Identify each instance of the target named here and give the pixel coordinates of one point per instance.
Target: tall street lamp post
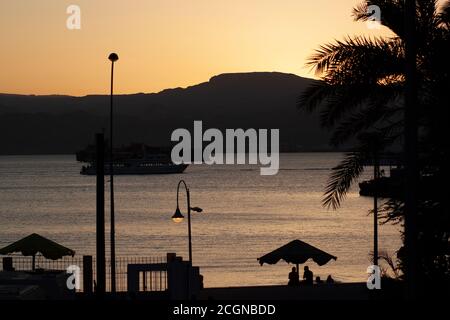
(113, 57)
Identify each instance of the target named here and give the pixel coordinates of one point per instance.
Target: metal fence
(149, 281)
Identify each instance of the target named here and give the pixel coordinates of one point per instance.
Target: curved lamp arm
(178, 192)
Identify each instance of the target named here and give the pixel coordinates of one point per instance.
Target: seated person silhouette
(307, 276)
(318, 280)
(294, 278)
(330, 279)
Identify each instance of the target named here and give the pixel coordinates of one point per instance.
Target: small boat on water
(385, 186)
(136, 159)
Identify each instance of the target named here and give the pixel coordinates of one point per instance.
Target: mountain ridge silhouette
(42, 124)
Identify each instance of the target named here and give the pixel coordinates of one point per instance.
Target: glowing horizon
(162, 43)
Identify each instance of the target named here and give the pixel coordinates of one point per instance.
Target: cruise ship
(134, 159)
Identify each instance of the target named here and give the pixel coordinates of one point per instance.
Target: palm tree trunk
(411, 152)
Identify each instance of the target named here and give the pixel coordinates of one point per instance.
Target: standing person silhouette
(330, 279)
(307, 276)
(294, 278)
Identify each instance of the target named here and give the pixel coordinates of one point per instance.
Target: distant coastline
(73, 154)
(60, 124)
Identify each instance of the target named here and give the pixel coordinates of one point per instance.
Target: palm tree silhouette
(362, 86)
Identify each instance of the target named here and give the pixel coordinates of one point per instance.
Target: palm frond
(358, 122)
(350, 168)
(357, 98)
(444, 16)
(379, 107)
(392, 211)
(352, 70)
(314, 95)
(358, 60)
(390, 11)
(342, 103)
(341, 179)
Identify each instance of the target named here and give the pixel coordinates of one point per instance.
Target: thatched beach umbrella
(33, 244)
(297, 252)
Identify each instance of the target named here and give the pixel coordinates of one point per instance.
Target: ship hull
(141, 170)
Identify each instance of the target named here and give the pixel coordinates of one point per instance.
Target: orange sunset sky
(161, 43)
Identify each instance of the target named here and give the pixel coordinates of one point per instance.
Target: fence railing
(149, 281)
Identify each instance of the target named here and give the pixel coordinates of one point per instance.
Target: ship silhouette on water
(133, 159)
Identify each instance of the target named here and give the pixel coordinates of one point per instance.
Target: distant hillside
(64, 124)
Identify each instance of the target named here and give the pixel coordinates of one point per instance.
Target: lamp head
(177, 216)
(113, 57)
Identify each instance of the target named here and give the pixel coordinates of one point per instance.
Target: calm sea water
(245, 215)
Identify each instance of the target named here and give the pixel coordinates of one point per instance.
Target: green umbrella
(34, 243)
(297, 252)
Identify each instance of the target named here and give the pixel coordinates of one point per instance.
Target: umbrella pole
(298, 269)
(33, 264)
